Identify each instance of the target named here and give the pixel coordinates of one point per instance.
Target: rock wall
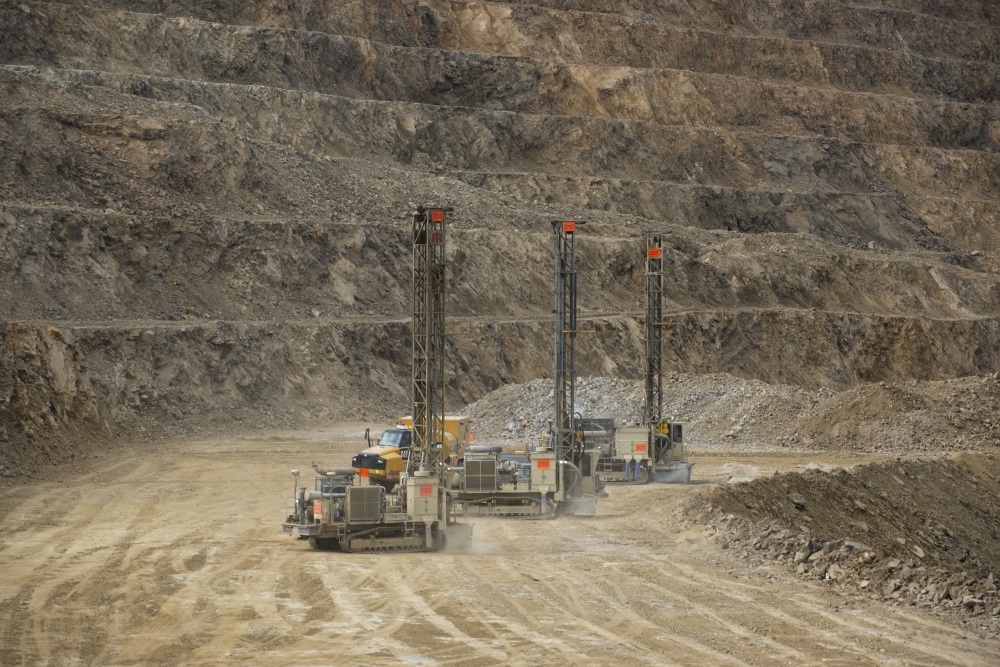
(174, 173)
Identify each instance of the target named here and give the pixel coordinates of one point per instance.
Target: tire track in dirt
(65, 605)
(919, 645)
(712, 599)
(188, 570)
(509, 611)
(361, 601)
(697, 595)
(139, 587)
(686, 604)
(638, 615)
(204, 595)
(369, 618)
(852, 629)
(15, 614)
(580, 620)
(564, 593)
(55, 558)
(419, 602)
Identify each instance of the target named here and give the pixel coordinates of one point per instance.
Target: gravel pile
(917, 532)
(724, 412)
(517, 414)
(908, 581)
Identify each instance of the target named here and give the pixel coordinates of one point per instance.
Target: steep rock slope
(205, 205)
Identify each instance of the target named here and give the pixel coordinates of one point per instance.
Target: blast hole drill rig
(417, 515)
(654, 450)
(560, 476)
(667, 454)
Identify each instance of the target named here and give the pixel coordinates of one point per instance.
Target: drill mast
(652, 412)
(564, 428)
(427, 450)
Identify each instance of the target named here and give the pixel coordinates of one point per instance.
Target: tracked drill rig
(655, 449)
(560, 476)
(567, 444)
(417, 515)
(667, 453)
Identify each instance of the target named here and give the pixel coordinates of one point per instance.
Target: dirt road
(175, 555)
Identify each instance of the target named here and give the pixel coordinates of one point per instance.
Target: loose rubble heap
(519, 413)
(918, 533)
(854, 564)
(734, 414)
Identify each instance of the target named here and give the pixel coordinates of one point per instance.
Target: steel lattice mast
(652, 410)
(564, 428)
(427, 449)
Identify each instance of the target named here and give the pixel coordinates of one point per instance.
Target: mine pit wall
(62, 382)
(874, 152)
(131, 322)
(915, 20)
(171, 252)
(83, 265)
(216, 166)
(597, 32)
(854, 204)
(470, 139)
(945, 112)
(848, 193)
(65, 383)
(898, 170)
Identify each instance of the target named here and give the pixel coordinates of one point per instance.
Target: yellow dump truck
(383, 463)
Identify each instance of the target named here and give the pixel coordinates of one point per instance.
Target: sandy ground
(174, 555)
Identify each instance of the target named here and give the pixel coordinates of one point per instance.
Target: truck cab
(385, 462)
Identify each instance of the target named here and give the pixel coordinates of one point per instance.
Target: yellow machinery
(385, 462)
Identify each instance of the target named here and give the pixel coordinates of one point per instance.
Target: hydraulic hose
(578, 476)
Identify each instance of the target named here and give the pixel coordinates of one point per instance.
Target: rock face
(205, 205)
